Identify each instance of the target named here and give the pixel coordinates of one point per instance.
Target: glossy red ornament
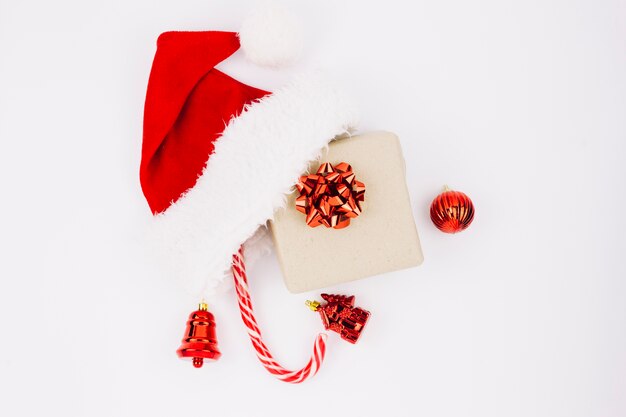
(200, 342)
(452, 211)
(340, 315)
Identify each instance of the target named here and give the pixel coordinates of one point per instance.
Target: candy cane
(262, 351)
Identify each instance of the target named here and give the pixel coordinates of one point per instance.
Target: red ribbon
(331, 197)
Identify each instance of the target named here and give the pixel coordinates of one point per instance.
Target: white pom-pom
(271, 37)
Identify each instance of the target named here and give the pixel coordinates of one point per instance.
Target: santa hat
(218, 155)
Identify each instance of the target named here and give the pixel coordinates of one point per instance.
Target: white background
(521, 105)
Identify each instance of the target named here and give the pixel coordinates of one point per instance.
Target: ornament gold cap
(312, 305)
(202, 306)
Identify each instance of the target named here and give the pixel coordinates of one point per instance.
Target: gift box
(361, 238)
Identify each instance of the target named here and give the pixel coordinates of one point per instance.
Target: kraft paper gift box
(382, 238)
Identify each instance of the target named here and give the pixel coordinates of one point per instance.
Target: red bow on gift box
(331, 197)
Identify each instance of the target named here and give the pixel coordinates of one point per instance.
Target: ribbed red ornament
(452, 211)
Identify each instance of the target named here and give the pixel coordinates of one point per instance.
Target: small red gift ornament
(332, 196)
(340, 315)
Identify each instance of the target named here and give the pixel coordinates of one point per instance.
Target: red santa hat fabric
(187, 104)
(219, 156)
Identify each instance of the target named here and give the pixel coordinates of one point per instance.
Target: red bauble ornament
(199, 342)
(340, 315)
(452, 211)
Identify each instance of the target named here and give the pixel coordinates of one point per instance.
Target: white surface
(519, 104)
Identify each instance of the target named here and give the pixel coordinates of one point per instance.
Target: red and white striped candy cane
(262, 351)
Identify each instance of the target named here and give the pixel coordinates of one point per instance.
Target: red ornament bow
(331, 197)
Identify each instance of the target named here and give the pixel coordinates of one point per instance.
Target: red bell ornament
(340, 315)
(452, 211)
(200, 342)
